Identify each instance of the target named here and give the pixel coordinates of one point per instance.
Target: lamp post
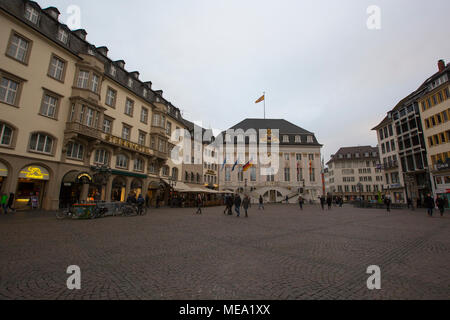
(172, 185)
(360, 187)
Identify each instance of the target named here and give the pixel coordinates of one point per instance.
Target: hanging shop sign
(34, 173)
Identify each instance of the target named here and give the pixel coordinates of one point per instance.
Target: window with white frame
(101, 157)
(75, 151)
(126, 133)
(9, 91)
(83, 79)
(286, 156)
(141, 139)
(41, 142)
(138, 164)
(286, 139)
(129, 104)
(144, 92)
(144, 115)
(122, 161)
(165, 171)
(310, 139)
(298, 139)
(18, 48)
(56, 69)
(287, 174)
(113, 71)
(49, 106)
(107, 124)
(90, 113)
(111, 95)
(63, 35)
(169, 128)
(253, 174)
(95, 82)
(298, 157)
(31, 14)
(156, 120)
(130, 82)
(6, 135)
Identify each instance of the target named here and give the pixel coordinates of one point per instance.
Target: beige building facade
(75, 125)
(355, 172)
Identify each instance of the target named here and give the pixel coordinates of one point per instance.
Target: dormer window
(310, 139)
(63, 35)
(357, 155)
(341, 156)
(31, 14)
(145, 92)
(366, 154)
(298, 139)
(113, 71)
(91, 51)
(349, 155)
(130, 82)
(286, 139)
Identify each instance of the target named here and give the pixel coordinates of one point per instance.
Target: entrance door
(273, 196)
(27, 188)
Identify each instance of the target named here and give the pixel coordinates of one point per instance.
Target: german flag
(247, 166)
(261, 99)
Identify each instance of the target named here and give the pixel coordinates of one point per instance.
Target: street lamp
(360, 187)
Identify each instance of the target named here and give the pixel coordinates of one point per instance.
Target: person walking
(387, 202)
(329, 202)
(4, 203)
(300, 202)
(287, 200)
(246, 204)
(261, 203)
(341, 202)
(199, 204)
(11, 202)
(140, 203)
(225, 201)
(429, 204)
(440, 203)
(237, 205)
(322, 202)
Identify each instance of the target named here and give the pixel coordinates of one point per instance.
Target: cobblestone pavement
(279, 253)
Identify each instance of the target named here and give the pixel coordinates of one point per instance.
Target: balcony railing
(78, 128)
(390, 165)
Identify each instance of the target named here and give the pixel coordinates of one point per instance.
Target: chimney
(103, 50)
(81, 33)
(441, 65)
(149, 84)
(53, 12)
(135, 75)
(120, 63)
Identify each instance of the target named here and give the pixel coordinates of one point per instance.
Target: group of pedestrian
(430, 204)
(7, 202)
(238, 203)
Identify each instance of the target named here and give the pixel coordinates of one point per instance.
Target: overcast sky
(321, 67)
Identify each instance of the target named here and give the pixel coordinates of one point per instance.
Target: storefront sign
(127, 144)
(84, 178)
(211, 172)
(35, 173)
(3, 170)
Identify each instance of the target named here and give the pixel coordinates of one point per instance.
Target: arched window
(138, 164)
(198, 178)
(40, 142)
(101, 157)
(6, 135)
(75, 151)
(122, 161)
(186, 176)
(192, 177)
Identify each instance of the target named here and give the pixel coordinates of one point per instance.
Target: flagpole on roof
(264, 105)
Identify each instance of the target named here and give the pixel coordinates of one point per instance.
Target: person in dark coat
(322, 202)
(440, 203)
(246, 204)
(199, 204)
(387, 202)
(237, 205)
(429, 204)
(329, 202)
(300, 202)
(261, 203)
(11, 202)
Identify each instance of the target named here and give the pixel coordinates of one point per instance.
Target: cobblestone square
(279, 253)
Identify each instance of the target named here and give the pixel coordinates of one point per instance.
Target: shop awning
(179, 186)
